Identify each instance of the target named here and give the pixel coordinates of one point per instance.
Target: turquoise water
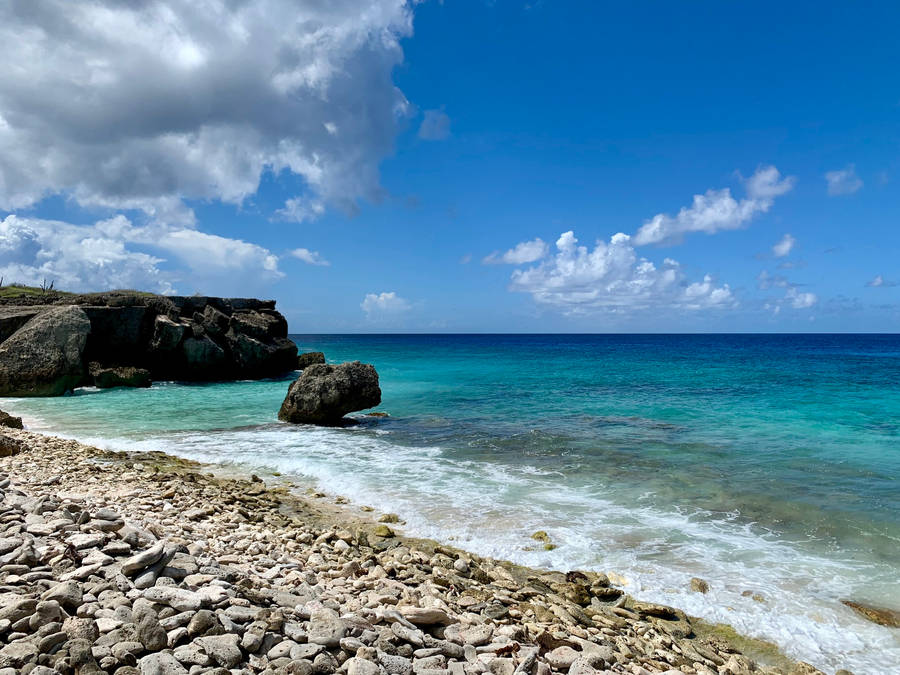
(768, 464)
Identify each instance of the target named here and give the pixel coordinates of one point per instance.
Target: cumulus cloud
(783, 247)
(435, 126)
(843, 181)
(880, 282)
(310, 257)
(611, 277)
(115, 253)
(717, 210)
(800, 300)
(147, 105)
(525, 252)
(380, 305)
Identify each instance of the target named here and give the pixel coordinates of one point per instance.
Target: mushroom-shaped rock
(324, 393)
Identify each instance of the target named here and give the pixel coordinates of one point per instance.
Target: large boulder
(13, 318)
(324, 393)
(44, 357)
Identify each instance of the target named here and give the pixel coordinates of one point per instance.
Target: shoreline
(575, 615)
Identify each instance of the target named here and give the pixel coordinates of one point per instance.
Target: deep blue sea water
(767, 464)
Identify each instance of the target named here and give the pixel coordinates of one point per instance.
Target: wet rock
(880, 615)
(699, 585)
(122, 376)
(323, 393)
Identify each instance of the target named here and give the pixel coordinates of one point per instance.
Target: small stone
(223, 649)
(426, 616)
(82, 541)
(698, 585)
(326, 627)
(67, 593)
(562, 658)
(177, 598)
(161, 663)
(383, 531)
(357, 666)
(143, 559)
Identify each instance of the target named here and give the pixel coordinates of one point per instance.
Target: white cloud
(310, 257)
(843, 181)
(144, 105)
(612, 278)
(114, 253)
(525, 252)
(717, 210)
(384, 304)
(435, 126)
(800, 300)
(783, 247)
(880, 282)
(765, 281)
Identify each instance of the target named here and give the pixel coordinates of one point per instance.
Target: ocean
(767, 465)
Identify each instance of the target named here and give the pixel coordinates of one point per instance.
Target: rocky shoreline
(143, 563)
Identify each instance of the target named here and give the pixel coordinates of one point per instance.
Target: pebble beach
(133, 563)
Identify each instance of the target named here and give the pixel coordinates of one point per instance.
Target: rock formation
(323, 394)
(308, 359)
(43, 357)
(127, 339)
(7, 420)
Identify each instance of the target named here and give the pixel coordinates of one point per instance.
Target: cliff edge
(50, 345)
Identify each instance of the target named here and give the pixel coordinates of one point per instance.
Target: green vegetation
(47, 290)
(20, 290)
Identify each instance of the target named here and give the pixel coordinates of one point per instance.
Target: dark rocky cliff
(48, 344)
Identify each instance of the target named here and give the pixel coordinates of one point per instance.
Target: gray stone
(178, 599)
(44, 357)
(143, 559)
(223, 649)
(326, 627)
(161, 663)
(323, 393)
(67, 593)
(357, 666)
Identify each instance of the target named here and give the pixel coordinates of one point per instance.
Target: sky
(462, 166)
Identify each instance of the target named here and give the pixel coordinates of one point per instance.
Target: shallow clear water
(768, 464)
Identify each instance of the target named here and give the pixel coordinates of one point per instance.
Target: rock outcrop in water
(323, 394)
(126, 339)
(308, 359)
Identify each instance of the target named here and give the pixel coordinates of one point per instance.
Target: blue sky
(435, 155)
